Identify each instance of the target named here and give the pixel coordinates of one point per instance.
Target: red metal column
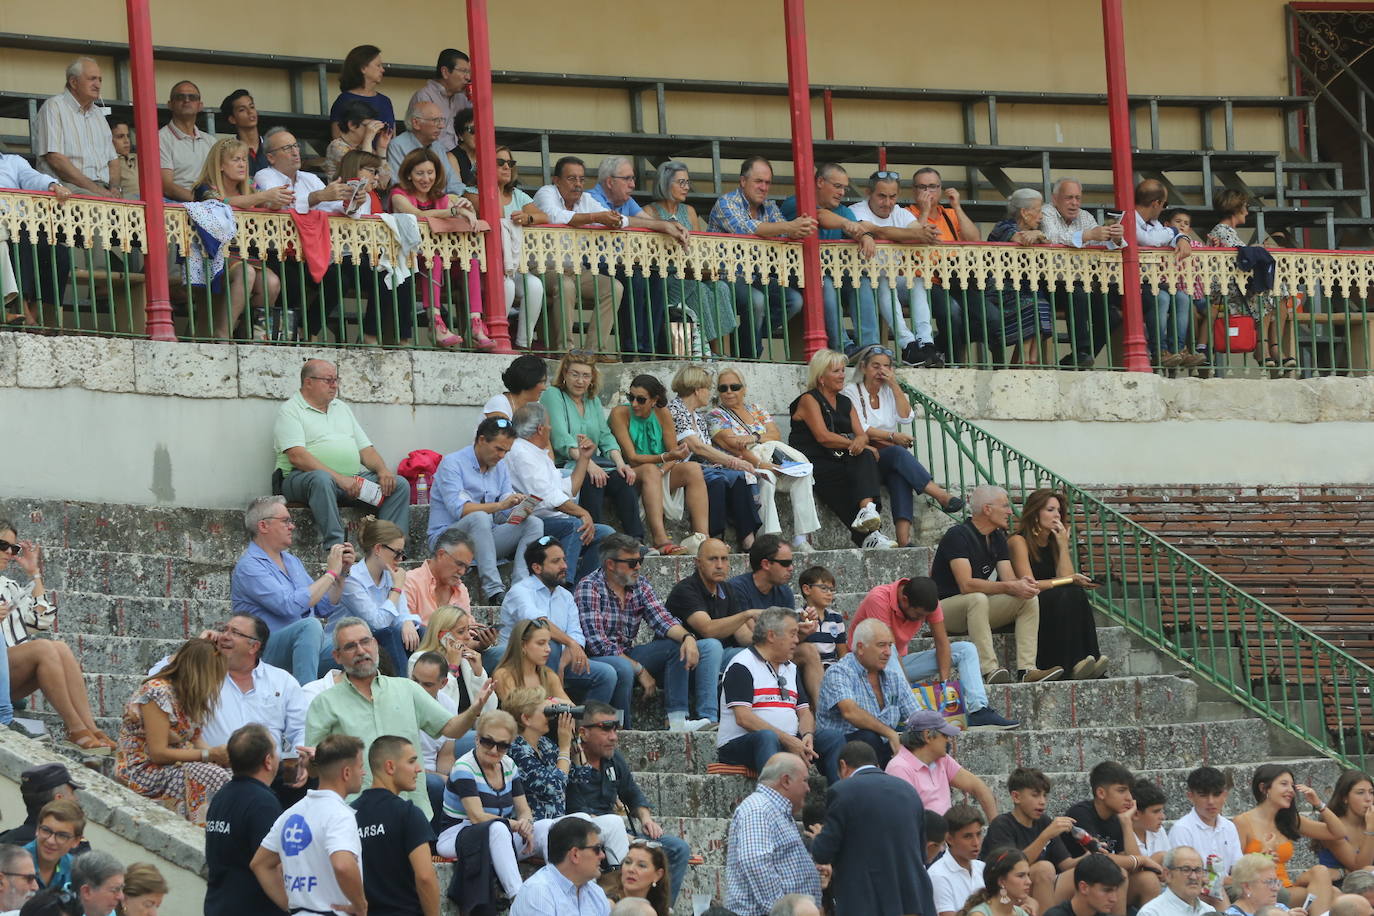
(1137, 359)
(159, 306)
(488, 197)
(804, 168)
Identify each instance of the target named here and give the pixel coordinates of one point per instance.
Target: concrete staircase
(131, 582)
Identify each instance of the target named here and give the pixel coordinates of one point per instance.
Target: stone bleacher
(130, 582)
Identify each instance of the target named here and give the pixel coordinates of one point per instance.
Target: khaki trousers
(566, 294)
(977, 614)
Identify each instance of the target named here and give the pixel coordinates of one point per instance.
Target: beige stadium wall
(1217, 47)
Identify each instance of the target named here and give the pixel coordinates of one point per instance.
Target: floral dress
(1238, 302)
(184, 787)
(546, 786)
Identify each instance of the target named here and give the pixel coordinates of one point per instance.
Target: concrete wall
(190, 424)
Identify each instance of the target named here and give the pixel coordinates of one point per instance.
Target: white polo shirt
(305, 836)
(899, 218)
(1219, 846)
(951, 884)
(1170, 904)
(183, 154)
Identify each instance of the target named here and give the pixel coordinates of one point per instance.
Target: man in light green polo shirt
(368, 705)
(325, 456)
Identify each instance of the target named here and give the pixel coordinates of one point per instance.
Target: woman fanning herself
(1041, 549)
(525, 663)
(648, 442)
(1274, 824)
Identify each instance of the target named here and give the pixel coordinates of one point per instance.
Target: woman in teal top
(709, 303)
(574, 409)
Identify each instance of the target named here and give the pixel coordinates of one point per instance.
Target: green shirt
(567, 422)
(399, 706)
(333, 437)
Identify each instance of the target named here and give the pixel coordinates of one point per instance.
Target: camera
(553, 712)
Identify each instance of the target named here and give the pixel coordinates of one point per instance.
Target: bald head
(782, 764)
(426, 122)
(319, 382)
(1351, 905)
(713, 561)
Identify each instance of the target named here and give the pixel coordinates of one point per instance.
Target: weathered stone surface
(458, 379)
(1111, 396)
(957, 389)
(9, 359)
(185, 369)
(1338, 398)
(156, 618)
(376, 376)
(274, 373)
(94, 363)
(1019, 394)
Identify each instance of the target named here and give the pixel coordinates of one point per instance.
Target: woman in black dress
(1040, 549)
(825, 428)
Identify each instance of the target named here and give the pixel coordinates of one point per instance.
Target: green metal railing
(1278, 669)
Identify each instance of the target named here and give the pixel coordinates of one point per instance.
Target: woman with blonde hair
(161, 753)
(826, 429)
(375, 591)
(224, 177)
(449, 633)
(144, 890)
(525, 662)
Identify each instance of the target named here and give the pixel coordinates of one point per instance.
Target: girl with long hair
(1353, 802)
(524, 664)
(1006, 883)
(1274, 824)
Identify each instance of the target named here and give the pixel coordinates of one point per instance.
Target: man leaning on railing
(1065, 222)
(34, 271)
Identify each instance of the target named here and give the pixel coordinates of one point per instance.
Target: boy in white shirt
(1147, 820)
(1211, 834)
(315, 841)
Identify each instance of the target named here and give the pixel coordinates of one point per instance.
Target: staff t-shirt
(748, 596)
(390, 828)
(966, 542)
(1107, 831)
(1006, 830)
(305, 836)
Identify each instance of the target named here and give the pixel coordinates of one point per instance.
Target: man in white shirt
(452, 73)
(431, 672)
(1165, 337)
(533, 472)
(1184, 884)
(311, 859)
(424, 123)
(566, 205)
(959, 872)
(18, 879)
(892, 223)
(284, 170)
(182, 145)
(1065, 222)
(1208, 831)
(71, 138)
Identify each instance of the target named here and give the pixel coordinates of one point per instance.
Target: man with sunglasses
(473, 494)
(604, 784)
(567, 885)
(182, 145)
(18, 879)
(771, 563)
(612, 603)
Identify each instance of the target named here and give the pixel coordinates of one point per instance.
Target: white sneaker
(680, 723)
(867, 520)
(878, 541)
(802, 545)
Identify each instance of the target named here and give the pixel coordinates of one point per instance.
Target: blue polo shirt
(629, 208)
(789, 211)
(60, 875)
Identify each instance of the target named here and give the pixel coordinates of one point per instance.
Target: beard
(366, 666)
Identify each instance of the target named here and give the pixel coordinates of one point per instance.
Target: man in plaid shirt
(765, 858)
(611, 603)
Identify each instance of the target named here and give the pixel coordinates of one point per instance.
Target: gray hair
(983, 496)
(663, 184)
(1021, 199)
(343, 622)
(413, 109)
(258, 511)
(10, 854)
(927, 170)
(94, 868)
(613, 545)
(274, 131)
(1059, 185)
(787, 906)
(869, 630)
(529, 417)
(608, 166)
(75, 67)
(633, 906)
(454, 538)
(1357, 882)
(780, 765)
(771, 621)
(1171, 856)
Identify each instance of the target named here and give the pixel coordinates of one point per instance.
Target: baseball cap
(927, 720)
(45, 777)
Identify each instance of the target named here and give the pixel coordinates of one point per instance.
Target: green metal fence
(1278, 669)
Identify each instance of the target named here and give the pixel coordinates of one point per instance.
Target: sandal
(1290, 367)
(480, 338)
(443, 337)
(670, 549)
(88, 742)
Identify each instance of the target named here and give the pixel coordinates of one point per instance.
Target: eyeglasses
(500, 422)
(492, 744)
(1274, 883)
(364, 643)
(632, 562)
(1191, 869)
(683, 182)
(284, 519)
(14, 549)
(61, 836)
(734, 387)
(623, 177)
(500, 162)
(441, 121)
(573, 179)
(287, 148)
(21, 875)
(327, 379)
(228, 630)
(598, 848)
(462, 567)
(546, 540)
(824, 587)
(400, 555)
(610, 725)
(880, 351)
(928, 187)
(185, 97)
(788, 562)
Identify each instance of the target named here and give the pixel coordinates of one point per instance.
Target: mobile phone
(356, 186)
(1113, 218)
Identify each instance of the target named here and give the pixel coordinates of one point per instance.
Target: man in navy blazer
(874, 839)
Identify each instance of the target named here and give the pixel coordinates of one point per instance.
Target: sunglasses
(610, 725)
(734, 387)
(641, 843)
(14, 549)
(639, 399)
(500, 162)
(632, 562)
(885, 176)
(492, 744)
(788, 562)
(782, 689)
(598, 848)
(547, 540)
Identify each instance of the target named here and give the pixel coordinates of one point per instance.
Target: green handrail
(1278, 669)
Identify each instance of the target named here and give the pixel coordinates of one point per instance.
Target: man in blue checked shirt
(765, 858)
(763, 304)
(862, 698)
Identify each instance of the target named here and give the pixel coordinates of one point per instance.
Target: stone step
(1136, 746)
(95, 615)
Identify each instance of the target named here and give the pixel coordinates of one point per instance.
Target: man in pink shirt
(439, 580)
(924, 762)
(906, 606)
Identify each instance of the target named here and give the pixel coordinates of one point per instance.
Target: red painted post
(829, 102)
(159, 305)
(804, 168)
(488, 197)
(1137, 358)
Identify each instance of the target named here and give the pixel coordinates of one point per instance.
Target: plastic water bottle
(422, 490)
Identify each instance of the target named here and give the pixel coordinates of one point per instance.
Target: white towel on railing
(212, 228)
(405, 229)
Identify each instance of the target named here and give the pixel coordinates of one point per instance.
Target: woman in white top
(881, 406)
(375, 591)
(525, 380)
(521, 210)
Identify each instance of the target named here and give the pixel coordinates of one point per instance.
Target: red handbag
(1234, 334)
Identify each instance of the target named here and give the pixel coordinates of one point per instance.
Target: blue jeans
(915, 300)
(661, 658)
(495, 542)
(860, 305)
(753, 750)
(319, 490)
(905, 477)
(921, 666)
(296, 647)
(582, 559)
(730, 501)
(1165, 333)
(598, 683)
